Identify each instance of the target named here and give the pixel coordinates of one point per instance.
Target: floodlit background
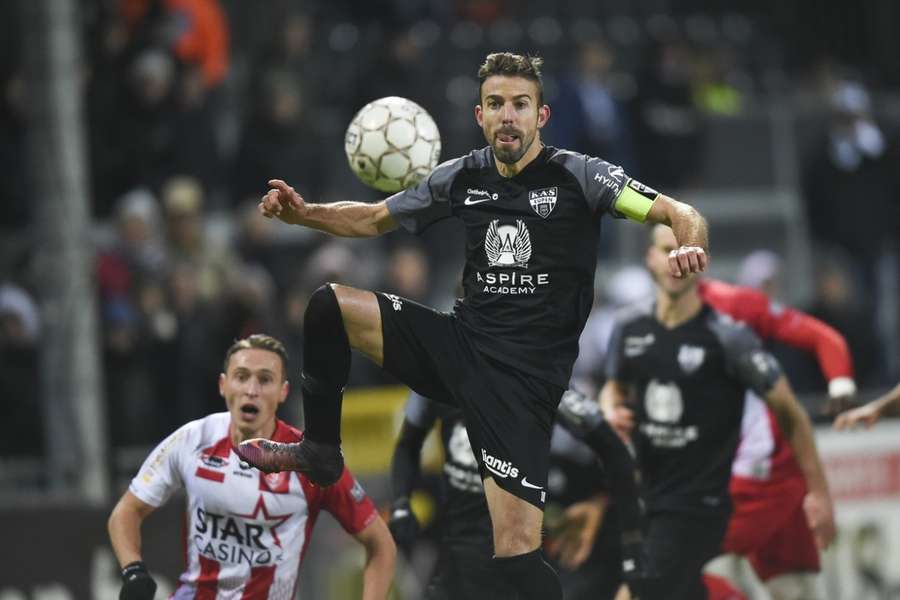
(136, 137)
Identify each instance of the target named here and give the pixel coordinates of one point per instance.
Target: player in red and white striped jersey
(769, 520)
(247, 532)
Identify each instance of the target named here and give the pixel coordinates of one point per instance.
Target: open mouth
(507, 137)
(249, 411)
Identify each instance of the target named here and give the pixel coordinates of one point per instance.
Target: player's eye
(521, 105)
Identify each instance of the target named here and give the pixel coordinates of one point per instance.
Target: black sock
(326, 366)
(530, 575)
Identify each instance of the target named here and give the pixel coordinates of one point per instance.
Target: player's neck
(511, 170)
(266, 431)
(672, 311)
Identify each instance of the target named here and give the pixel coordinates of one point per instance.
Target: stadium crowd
(192, 105)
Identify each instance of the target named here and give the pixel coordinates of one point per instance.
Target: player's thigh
(362, 320)
(423, 348)
(792, 550)
(760, 512)
(516, 522)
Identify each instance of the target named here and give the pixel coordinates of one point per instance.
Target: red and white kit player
(769, 522)
(246, 532)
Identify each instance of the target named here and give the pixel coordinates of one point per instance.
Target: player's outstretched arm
(689, 227)
(345, 219)
(615, 411)
(381, 558)
(798, 430)
(124, 527)
(405, 472)
(870, 413)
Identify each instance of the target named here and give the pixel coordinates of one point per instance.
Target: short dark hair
(512, 65)
(262, 342)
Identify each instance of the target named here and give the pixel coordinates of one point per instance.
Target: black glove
(403, 524)
(137, 583)
(580, 415)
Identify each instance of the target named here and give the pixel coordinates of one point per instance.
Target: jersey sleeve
(347, 501)
(428, 201)
(160, 475)
(754, 367)
(420, 411)
(773, 321)
(606, 187)
(800, 330)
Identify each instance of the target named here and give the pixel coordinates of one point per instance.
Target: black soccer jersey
(464, 512)
(689, 384)
(531, 245)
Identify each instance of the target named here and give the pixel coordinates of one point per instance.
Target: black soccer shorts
(509, 414)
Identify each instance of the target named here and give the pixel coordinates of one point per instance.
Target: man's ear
(479, 115)
(543, 115)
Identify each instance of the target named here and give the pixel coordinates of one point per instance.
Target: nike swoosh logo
(525, 483)
(470, 202)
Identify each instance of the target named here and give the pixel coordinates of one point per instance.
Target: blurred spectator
(841, 303)
(588, 113)
(133, 408)
(626, 286)
(717, 86)
(136, 251)
(183, 327)
(19, 373)
(852, 183)
(671, 129)
(408, 273)
(762, 269)
(188, 243)
(278, 142)
(15, 207)
(200, 37)
(195, 31)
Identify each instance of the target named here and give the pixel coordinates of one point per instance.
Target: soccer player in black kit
(505, 353)
(464, 524)
(678, 372)
(464, 569)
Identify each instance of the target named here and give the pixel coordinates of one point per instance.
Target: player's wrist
(135, 567)
(841, 387)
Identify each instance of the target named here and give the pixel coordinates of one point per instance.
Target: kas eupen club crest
(543, 201)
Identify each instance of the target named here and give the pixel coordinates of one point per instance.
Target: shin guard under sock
(326, 366)
(530, 575)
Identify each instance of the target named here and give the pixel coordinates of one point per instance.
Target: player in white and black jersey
(678, 372)
(245, 531)
(505, 354)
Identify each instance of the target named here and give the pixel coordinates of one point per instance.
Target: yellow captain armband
(635, 200)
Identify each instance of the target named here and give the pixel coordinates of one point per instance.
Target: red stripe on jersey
(211, 475)
(257, 587)
(208, 581)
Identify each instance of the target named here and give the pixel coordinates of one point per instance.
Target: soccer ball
(392, 143)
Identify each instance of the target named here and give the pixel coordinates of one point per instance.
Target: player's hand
(283, 202)
(686, 260)
(820, 518)
(866, 416)
(621, 419)
(580, 523)
(403, 524)
(137, 583)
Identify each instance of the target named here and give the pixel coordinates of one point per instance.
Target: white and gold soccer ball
(392, 143)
